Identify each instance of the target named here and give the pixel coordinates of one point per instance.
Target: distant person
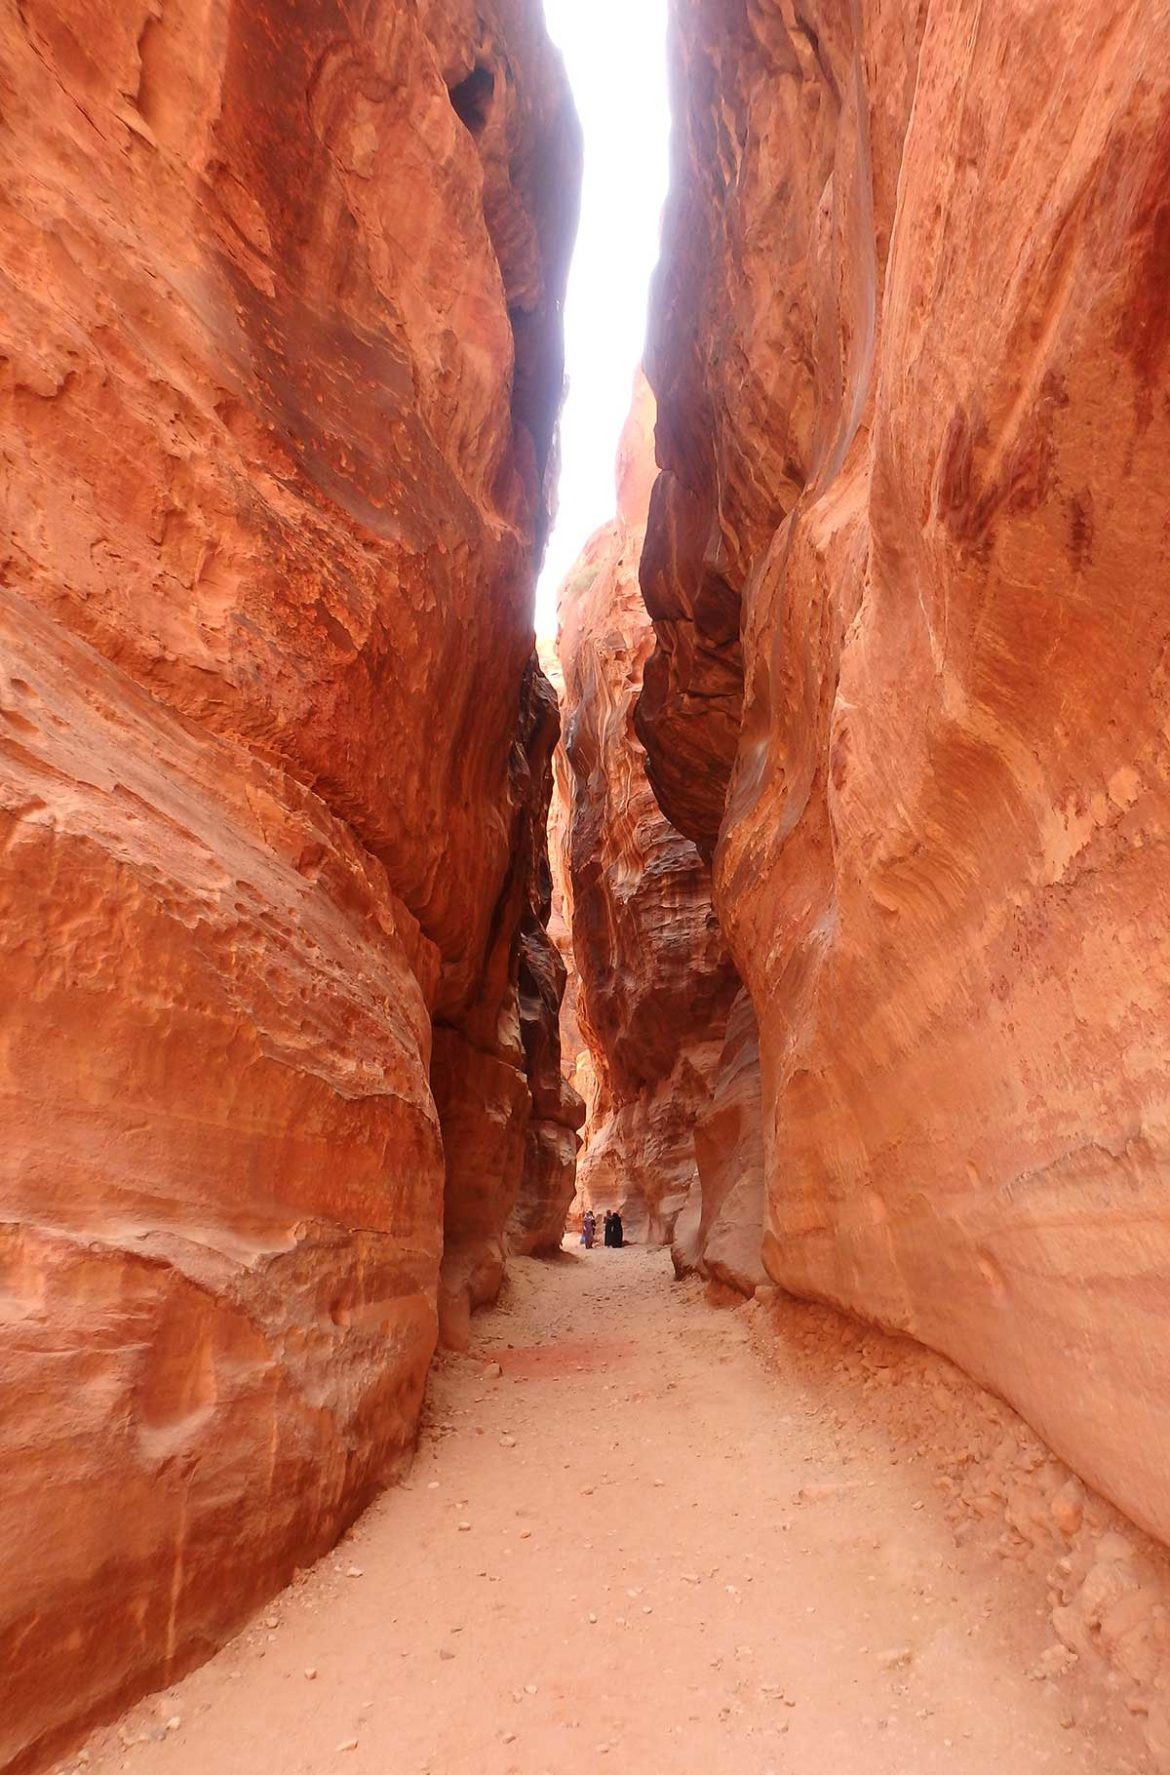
(588, 1229)
(608, 1227)
(616, 1231)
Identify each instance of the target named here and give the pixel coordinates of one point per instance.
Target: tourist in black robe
(616, 1232)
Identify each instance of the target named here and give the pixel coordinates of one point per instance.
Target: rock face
(509, 1118)
(576, 1060)
(550, 971)
(280, 362)
(549, 1175)
(655, 979)
(720, 1232)
(910, 346)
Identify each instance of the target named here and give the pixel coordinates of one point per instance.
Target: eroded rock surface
(280, 361)
(910, 348)
(509, 1118)
(655, 981)
(577, 1065)
(720, 1232)
(548, 1180)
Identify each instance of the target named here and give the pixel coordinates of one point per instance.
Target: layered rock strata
(655, 981)
(280, 361)
(910, 347)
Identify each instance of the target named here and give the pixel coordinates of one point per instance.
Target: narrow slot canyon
(803, 900)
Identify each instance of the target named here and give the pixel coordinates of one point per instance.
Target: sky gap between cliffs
(615, 53)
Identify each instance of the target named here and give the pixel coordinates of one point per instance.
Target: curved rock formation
(654, 977)
(280, 362)
(910, 350)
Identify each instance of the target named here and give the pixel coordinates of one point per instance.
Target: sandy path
(599, 1561)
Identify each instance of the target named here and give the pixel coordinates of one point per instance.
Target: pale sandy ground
(602, 1560)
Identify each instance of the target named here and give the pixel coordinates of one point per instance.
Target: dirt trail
(637, 1547)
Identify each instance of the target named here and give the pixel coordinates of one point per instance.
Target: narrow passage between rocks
(637, 1543)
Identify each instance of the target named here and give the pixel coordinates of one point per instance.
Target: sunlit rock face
(280, 360)
(654, 977)
(910, 345)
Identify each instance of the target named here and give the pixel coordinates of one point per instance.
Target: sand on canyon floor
(640, 1544)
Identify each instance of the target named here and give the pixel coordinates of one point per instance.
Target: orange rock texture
(720, 1232)
(280, 361)
(910, 345)
(655, 981)
(577, 1066)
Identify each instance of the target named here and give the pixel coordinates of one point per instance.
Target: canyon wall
(907, 561)
(655, 981)
(720, 1232)
(280, 361)
(576, 1060)
(548, 1179)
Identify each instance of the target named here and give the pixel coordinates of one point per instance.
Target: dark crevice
(472, 98)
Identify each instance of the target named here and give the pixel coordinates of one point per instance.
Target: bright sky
(615, 52)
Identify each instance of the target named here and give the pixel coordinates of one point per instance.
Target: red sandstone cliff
(654, 978)
(280, 361)
(910, 346)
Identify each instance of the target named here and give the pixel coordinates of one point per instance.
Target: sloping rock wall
(279, 366)
(910, 348)
(655, 981)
